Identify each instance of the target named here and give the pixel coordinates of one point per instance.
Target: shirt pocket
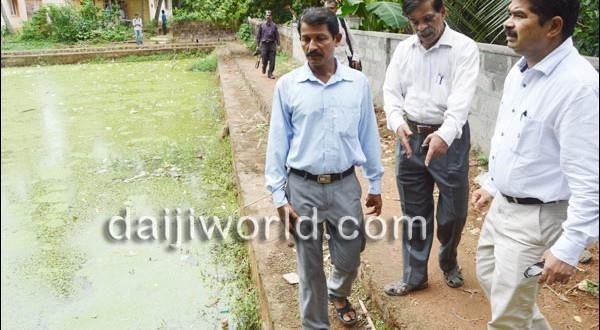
(346, 121)
(527, 140)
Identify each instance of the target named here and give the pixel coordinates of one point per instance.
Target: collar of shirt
(551, 61)
(445, 40)
(341, 73)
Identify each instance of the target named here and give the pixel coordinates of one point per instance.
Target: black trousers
(415, 183)
(268, 50)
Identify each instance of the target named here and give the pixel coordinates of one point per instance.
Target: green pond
(84, 143)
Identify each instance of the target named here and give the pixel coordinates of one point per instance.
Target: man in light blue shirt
(322, 126)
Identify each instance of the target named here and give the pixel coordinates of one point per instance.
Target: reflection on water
(79, 144)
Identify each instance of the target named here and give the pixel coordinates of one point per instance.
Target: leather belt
(323, 178)
(424, 129)
(527, 200)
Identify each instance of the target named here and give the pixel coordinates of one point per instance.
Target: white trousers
(513, 238)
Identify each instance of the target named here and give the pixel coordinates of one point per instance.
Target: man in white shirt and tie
(427, 92)
(543, 165)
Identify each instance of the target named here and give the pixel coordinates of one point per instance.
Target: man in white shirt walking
(346, 50)
(427, 92)
(543, 165)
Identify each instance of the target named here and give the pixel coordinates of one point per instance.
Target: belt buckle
(323, 179)
(514, 200)
(421, 128)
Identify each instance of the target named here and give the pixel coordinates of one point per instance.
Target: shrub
(205, 64)
(586, 31)
(38, 27)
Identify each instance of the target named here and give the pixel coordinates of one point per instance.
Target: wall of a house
(16, 21)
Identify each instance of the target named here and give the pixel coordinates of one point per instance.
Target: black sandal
(454, 278)
(346, 310)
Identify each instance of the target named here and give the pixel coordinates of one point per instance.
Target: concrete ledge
(76, 55)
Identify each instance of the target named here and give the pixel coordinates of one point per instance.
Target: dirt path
(438, 307)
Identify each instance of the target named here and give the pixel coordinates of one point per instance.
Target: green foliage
(479, 19)
(38, 27)
(376, 15)
(222, 13)
(68, 24)
(205, 64)
(586, 31)
(245, 32)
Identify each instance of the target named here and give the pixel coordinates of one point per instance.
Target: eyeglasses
(534, 270)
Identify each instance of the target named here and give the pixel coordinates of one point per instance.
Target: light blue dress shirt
(322, 128)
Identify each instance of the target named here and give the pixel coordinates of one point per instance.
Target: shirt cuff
(447, 134)
(567, 250)
(395, 120)
(375, 187)
(279, 198)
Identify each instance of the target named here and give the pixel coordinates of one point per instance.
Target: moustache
(314, 53)
(425, 33)
(510, 33)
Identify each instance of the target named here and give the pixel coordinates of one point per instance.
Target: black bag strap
(347, 35)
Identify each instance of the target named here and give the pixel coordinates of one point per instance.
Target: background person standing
(164, 22)
(137, 29)
(346, 51)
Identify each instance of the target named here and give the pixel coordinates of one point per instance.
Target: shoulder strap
(347, 35)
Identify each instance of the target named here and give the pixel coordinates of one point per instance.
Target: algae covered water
(84, 143)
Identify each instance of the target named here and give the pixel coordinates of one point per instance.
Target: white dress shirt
(545, 144)
(432, 86)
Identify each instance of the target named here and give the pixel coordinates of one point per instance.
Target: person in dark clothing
(164, 22)
(267, 40)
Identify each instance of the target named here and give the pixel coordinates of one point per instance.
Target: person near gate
(346, 51)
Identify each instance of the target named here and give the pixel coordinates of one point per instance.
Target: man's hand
(288, 216)
(480, 198)
(375, 202)
(555, 270)
(404, 134)
(436, 147)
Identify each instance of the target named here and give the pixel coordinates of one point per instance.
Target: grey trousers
(415, 184)
(327, 204)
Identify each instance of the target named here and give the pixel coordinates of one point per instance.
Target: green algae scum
(82, 144)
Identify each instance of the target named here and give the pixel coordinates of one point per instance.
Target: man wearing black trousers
(267, 40)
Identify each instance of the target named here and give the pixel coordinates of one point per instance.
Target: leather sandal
(347, 310)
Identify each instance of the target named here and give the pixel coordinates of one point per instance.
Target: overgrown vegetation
(245, 35)
(586, 31)
(65, 23)
(205, 64)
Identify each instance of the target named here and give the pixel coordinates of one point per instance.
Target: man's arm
(577, 131)
(368, 136)
(352, 41)
(280, 135)
(462, 90)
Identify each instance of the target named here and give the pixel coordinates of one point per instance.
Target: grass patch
(146, 58)
(206, 64)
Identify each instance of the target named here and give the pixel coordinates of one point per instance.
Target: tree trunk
(9, 27)
(157, 11)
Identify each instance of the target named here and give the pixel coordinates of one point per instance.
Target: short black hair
(320, 16)
(410, 5)
(568, 10)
